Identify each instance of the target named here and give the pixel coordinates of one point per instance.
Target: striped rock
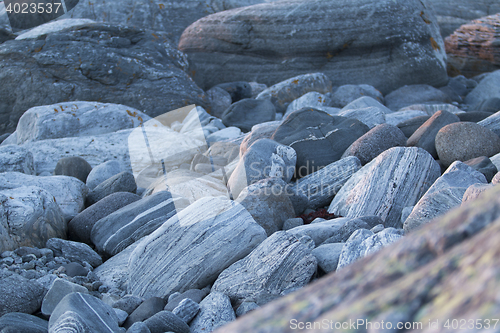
(492, 123)
(191, 249)
(247, 44)
(397, 178)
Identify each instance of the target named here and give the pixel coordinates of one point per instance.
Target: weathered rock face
(451, 261)
(472, 49)
(397, 178)
(248, 44)
(191, 249)
(20, 295)
(15, 158)
(154, 80)
(487, 89)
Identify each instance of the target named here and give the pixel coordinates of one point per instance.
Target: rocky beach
(250, 166)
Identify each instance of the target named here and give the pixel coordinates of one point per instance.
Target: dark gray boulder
(248, 112)
(474, 116)
(414, 94)
(102, 172)
(238, 90)
(74, 251)
(215, 311)
(408, 127)
(121, 182)
(484, 165)
(74, 166)
(166, 321)
(20, 295)
(22, 323)
(145, 310)
(16, 158)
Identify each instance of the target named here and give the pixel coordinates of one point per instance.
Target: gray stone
(238, 90)
(259, 131)
(215, 311)
(139, 327)
(128, 224)
(145, 310)
(196, 295)
(264, 158)
(446, 193)
(209, 238)
(17, 322)
(16, 158)
(283, 93)
(367, 102)
(319, 231)
(308, 242)
(463, 141)
(343, 234)
(484, 165)
(74, 251)
(496, 179)
(80, 227)
(268, 203)
(257, 88)
(224, 134)
(397, 178)
(102, 172)
(246, 307)
(121, 315)
(431, 108)
(292, 223)
(352, 250)
(317, 137)
(312, 99)
(316, 45)
(424, 137)
(165, 321)
(78, 312)
(379, 227)
(279, 263)
(73, 166)
(414, 94)
(20, 295)
(489, 87)
(59, 289)
(370, 116)
(122, 182)
(492, 123)
(248, 112)
(73, 269)
(408, 127)
(474, 116)
(128, 303)
(328, 256)
(54, 26)
(104, 72)
(348, 93)
(400, 116)
(29, 216)
(491, 105)
(186, 310)
(68, 192)
(474, 191)
(321, 186)
(220, 100)
(374, 142)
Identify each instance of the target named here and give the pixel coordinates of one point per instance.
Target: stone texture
(484, 165)
(397, 117)
(16, 158)
(414, 94)
(196, 295)
(20, 295)
(489, 87)
(116, 231)
(145, 310)
(215, 311)
(319, 231)
(22, 323)
(474, 116)
(471, 48)
(165, 321)
(207, 237)
(221, 49)
(279, 263)
(367, 102)
(464, 140)
(370, 116)
(74, 251)
(104, 73)
(492, 123)
(68, 192)
(102, 172)
(317, 137)
(348, 93)
(59, 289)
(121, 182)
(474, 191)
(424, 137)
(489, 105)
(80, 227)
(312, 99)
(128, 303)
(343, 234)
(248, 112)
(220, 100)
(374, 142)
(260, 131)
(186, 310)
(54, 26)
(238, 90)
(29, 216)
(328, 256)
(397, 178)
(408, 127)
(73, 166)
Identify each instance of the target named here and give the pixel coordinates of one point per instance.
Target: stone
(488, 88)
(74, 251)
(285, 92)
(139, 327)
(54, 26)
(29, 216)
(263, 159)
(121, 182)
(319, 231)
(379, 227)
(121, 315)
(208, 238)
(395, 179)
(260, 57)
(220, 100)
(268, 203)
(474, 191)
(128, 303)
(424, 137)
(186, 310)
(20, 295)
(116, 231)
(463, 141)
(321, 186)
(237, 90)
(367, 102)
(489, 105)
(215, 311)
(348, 93)
(165, 321)
(484, 165)
(328, 256)
(73, 166)
(318, 138)
(343, 234)
(68, 192)
(83, 313)
(431, 108)
(279, 263)
(17, 159)
(473, 116)
(80, 227)
(397, 117)
(59, 289)
(470, 49)
(224, 134)
(245, 307)
(196, 295)
(312, 99)
(259, 131)
(496, 179)
(408, 127)
(292, 223)
(22, 323)
(73, 269)
(103, 172)
(104, 73)
(492, 123)
(370, 116)
(414, 94)
(257, 88)
(374, 142)
(248, 112)
(145, 310)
